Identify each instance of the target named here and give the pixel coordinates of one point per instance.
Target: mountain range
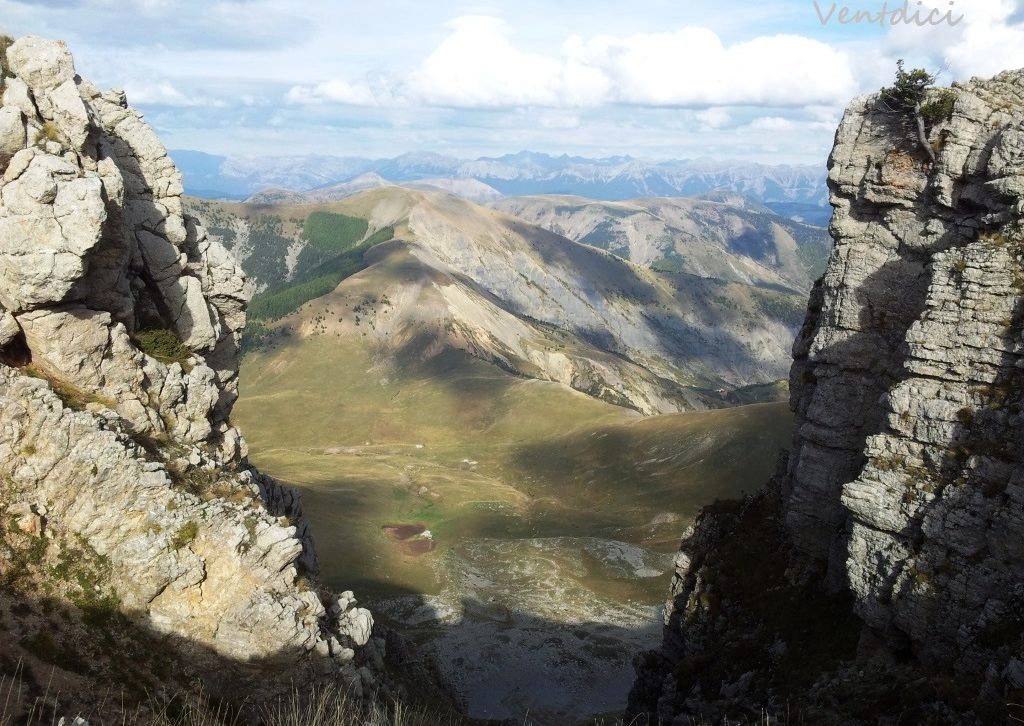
(796, 190)
(698, 303)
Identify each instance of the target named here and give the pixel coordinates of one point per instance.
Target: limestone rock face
(904, 488)
(121, 444)
(907, 459)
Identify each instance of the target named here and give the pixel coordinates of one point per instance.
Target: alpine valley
(500, 416)
(482, 401)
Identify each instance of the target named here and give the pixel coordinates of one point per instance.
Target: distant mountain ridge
(471, 189)
(721, 236)
(520, 174)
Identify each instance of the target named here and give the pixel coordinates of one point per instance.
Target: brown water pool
(408, 538)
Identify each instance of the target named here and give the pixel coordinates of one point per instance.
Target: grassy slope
(501, 457)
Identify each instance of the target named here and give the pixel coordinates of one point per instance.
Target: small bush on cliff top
(907, 98)
(908, 90)
(940, 108)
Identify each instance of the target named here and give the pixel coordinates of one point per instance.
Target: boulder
(16, 95)
(43, 65)
(50, 218)
(357, 625)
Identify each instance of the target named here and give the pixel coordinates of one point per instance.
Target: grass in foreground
(321, 707)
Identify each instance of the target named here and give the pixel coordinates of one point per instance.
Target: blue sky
(762, 81)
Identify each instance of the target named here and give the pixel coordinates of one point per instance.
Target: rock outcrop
(901, 503)
(120, 323)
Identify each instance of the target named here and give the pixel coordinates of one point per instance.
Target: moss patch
(185, 535)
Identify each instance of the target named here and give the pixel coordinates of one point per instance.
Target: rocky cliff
(119, 332)
(880, 575)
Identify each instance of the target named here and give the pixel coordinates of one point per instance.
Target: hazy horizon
(646, 159)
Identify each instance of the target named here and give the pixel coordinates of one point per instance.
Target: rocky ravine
(887, 580)
(127, 454)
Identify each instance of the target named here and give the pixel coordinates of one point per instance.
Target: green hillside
(467, 450)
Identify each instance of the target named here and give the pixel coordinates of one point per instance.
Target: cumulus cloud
(478, 66)
(988, 40)
(693, 67)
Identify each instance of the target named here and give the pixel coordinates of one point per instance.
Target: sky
(760, 81)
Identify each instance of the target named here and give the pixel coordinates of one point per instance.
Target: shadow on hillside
(501, 660)
(704, 326)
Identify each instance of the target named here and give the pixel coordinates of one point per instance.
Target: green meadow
(467, 451)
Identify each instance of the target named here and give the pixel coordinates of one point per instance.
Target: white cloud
(163, 93)
(776, 124)
(826, 114)
(693, 67)
(989, 40)
(772, 123)
(336, 91)
(714, 118)
(477, 66)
